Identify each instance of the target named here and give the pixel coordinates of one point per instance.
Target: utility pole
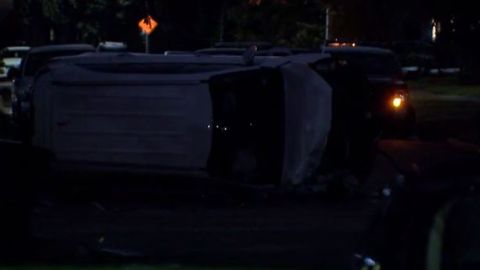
(147, 25)
(147, 36)
(327, 23)
(147, 43)
(223, 12)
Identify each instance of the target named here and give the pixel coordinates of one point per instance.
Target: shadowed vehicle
(32, 62)
(11, 57)
(390, 96)
(198, 115)
(112, 46)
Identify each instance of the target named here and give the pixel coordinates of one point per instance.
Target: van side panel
(165, 126)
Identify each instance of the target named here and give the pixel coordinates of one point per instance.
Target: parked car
(112, 46)
(5, 102)
(417, 58)
(390, 103)
(11, 57)
(273, 51)
(265, 121)
(354, 134)
(32, 62)
(6, 129)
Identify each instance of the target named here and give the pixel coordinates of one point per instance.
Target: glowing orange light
(397, 102)
(147, 25)
(342, 44)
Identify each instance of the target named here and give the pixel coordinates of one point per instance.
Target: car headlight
(398, 101)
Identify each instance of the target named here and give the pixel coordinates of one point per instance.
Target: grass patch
(445, 86)
(437, 118)
(429, 109)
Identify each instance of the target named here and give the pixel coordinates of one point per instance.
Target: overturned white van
(266, 122)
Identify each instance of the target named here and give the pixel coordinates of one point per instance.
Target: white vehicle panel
(134, 125)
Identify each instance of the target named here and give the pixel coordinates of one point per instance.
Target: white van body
(135, 112)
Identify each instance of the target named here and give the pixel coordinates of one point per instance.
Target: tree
(295, 23)
(62, 21)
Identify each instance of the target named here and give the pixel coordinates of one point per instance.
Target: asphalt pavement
(287, 234)
(184, 225)
(208, 226)
(196, 224)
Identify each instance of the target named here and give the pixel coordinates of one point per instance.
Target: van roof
(63, 47)
(139, 58)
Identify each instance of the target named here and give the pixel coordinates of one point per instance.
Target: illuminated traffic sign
(147, 25)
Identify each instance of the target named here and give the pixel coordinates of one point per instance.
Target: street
(203, 224)
(214, 228)
(193, 223)
(174, 224)
(291, 234)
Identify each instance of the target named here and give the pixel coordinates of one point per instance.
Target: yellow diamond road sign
(147, 25)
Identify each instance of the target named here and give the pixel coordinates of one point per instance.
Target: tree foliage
(79, 20)
(298, 23)
(293, 23)
(200, 23)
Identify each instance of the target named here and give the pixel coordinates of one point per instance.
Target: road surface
(211, 227)
(189, 223)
